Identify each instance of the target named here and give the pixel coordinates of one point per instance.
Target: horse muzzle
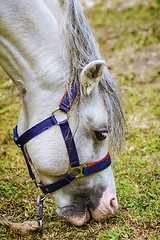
(106, 207)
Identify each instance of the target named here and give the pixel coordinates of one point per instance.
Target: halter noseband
(76, 169)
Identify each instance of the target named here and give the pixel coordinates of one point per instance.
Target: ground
(129, 40)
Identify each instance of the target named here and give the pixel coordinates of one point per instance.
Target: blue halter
(76, 169)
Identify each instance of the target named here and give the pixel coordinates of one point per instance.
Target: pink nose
(108, 205)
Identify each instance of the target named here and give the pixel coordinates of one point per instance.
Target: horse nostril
(114, 204)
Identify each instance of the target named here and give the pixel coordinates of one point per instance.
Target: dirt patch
(142, 65)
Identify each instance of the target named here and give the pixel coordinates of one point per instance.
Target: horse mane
(82, 49)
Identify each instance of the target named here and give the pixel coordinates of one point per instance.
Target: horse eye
(101, 135)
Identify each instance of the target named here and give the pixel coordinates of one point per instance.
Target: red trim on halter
(63, 97)
(66, 92)
(92, 164)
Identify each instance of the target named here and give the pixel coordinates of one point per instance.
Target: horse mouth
(80, 220)
(100, 213)
(75, 219)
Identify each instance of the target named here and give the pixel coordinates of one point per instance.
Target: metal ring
(77, 171)
(56, 110)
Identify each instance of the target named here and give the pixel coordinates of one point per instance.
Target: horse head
(45, 55)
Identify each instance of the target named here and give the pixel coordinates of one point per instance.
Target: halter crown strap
(67, 99)
(75, 169)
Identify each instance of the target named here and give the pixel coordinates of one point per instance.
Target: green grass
(136, 169)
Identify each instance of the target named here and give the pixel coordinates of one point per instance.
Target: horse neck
(31, 46)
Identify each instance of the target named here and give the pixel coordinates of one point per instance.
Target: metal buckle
(77, 171)
(59, 110)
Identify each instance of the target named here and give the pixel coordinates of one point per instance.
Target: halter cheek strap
(76, 169)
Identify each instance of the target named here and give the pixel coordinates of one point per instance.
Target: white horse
(46, 45)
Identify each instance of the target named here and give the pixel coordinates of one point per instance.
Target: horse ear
(91, 75)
